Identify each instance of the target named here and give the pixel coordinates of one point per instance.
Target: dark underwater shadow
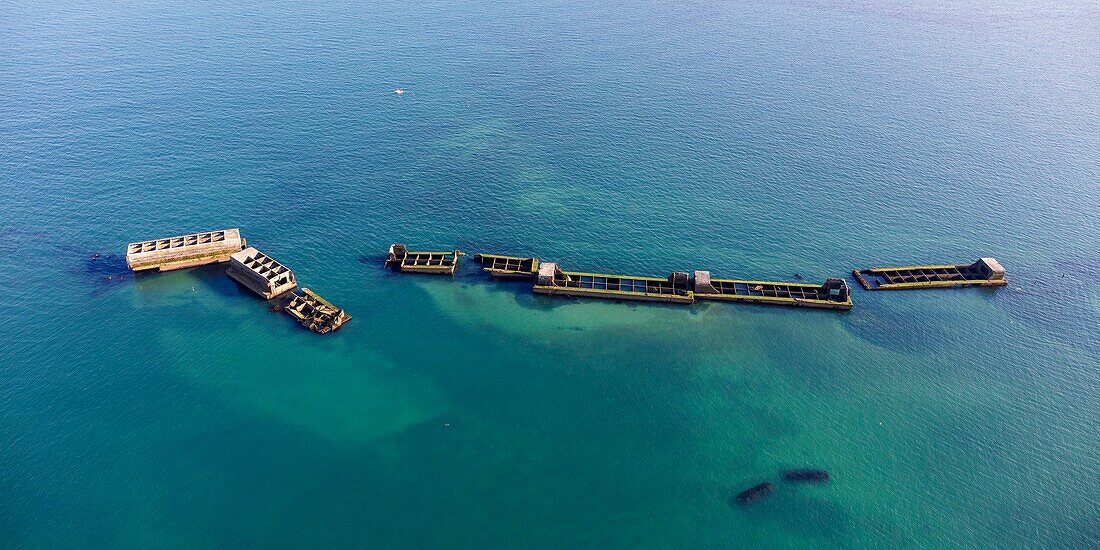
(372, 259)
(106, 271)
(213, 277)
(889, 329)
(1046, 299)
(102, 272)
(791, 507)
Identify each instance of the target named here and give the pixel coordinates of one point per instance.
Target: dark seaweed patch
(888, 329)
(106, 265)
(104, 270)
(1046, 300)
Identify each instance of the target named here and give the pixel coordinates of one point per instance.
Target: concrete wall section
(260, 273)
(184, 250)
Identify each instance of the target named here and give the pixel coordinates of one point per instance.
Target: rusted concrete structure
(184, 251)
(508, 267)
(555, 282)
(834, 294)
(984, 272)
(315, 313)
(438, 263)
(260, 273)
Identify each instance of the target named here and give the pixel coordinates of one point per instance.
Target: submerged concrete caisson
(508, 267)
(807, 475)
(984, 272)
(754, 493)
(270, 279)
(676, 288)
(261, 273)
(184, 251)
(253, 269)
(679, 287)
(834, 294)
(409, 261)
(315, 313)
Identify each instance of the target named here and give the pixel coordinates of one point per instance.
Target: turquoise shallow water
(756, 139)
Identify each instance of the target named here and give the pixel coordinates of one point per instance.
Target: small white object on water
(399, 91)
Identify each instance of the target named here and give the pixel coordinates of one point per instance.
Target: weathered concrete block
(184, 251)
(260, 273)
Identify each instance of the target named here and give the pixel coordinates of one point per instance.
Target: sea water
(754, 139)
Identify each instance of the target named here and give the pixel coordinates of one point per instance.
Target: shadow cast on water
(1042, 297)
(527, 298)
(371, 259)
(889, 329)
(213, 277)
(791, 508)
(102, 272)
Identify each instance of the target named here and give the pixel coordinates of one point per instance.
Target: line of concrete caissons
(686, 288)
(273, 281)
(251, 268)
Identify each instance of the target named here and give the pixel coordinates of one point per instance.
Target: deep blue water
(754, 139)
